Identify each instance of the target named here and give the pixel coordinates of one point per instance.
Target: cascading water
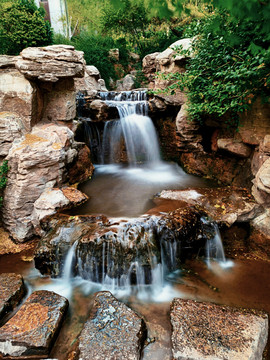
(134, 128)
(100, 265)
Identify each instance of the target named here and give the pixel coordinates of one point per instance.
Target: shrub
(22, 25)
(3, 179)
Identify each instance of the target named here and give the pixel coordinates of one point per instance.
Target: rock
(90, 82)
(265, 147)
(54, 200)
(33, 329)
(187, 132)
(59, 100)
(82, 168)
(36, 162)
(114, 331)
(19, 96)
(254, 124)
(109, 249)
(100, 111)
(226, 170)
(7, 61)
(149, 65)
(234, 147)
(208, 331)
(224, 205)
(11, 127)
(12, 290)
(114, 54)
(51, 63)
(126, 84)
(261, 188)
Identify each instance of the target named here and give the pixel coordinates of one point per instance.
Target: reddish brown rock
(114, 331)
(234, 147)
(100, 111)
(12, 290)
(205, 331)
(30, 333)
(82, 168)
(226, 205)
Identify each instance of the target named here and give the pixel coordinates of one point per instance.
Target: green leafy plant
(3, 179)
(22, 25)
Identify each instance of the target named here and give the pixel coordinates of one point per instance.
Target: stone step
(30, 333)
(114, 331)
(205, 331)
(12, 290)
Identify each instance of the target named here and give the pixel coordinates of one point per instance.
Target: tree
(23, 25)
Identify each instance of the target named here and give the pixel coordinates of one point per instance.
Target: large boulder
(51, 63)
(205, 331)
(234, 147)
(114, 331)
(37, 162)
(31, 332)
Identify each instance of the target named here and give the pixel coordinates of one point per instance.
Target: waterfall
(134, 130)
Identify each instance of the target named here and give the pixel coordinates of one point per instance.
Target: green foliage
(22, 25)
(229, 69)
(3, 179)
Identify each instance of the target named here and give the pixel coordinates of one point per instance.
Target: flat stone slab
(224, 204)
(12, 290)
(31, 332)
(113, 332)
(213, 332)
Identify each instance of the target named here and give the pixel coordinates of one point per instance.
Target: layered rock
(91, 82)
(12, 290)
(33, 329)
(36, 162)
(114, 331)
(12, 127)
(234, 147)
(51, 63)
(224, 205)
(204, 331)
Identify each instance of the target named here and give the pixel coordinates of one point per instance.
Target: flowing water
(125, 190)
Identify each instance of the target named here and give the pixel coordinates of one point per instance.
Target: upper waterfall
(134, 131)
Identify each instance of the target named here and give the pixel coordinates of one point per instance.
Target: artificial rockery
(47, 157)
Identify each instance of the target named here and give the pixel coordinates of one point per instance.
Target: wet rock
(82, 168)
(11, 127)
(114, 331)
(114, 248)
(100, 111)
(33, 329)
(209, 331)
(234, 147)
(55, 200)
(187, 132)
(90, 82)
(224, 205)
(51, 63)
(12, 290)
(36, 162)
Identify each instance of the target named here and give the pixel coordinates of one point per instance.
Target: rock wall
(37, 109)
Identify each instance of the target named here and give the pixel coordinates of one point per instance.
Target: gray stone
(113, 332)
(205, 331)
(90, 82)
(33, 329)
(12, 290)
(126, 84)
